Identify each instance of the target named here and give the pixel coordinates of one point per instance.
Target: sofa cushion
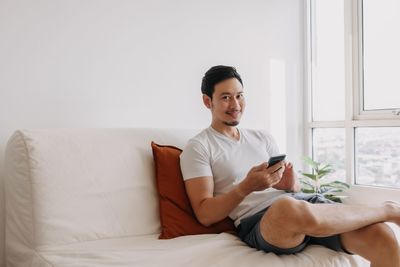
(73, 185)
(176, 214)
(220, 250)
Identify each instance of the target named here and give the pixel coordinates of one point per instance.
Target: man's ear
(207, 101)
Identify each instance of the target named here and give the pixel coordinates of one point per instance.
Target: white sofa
(87, 197)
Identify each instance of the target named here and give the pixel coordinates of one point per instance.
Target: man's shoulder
(200, 140)
(200, 137)
(258, 133)
(196, 147)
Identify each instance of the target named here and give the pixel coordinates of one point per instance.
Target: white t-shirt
(228, 161)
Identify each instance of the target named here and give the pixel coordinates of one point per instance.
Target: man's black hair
(215, 75)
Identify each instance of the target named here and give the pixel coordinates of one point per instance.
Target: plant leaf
(324, 172)
(327, 166)
(340, 196)
(311, 162)
(334, 198)
(309, 175)
(306, 182)
(305, 190)
(327, 191)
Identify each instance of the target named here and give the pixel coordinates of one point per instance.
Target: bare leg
(288, 220)
(376, 243)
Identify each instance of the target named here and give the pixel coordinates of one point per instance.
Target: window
(378, 156)
(381, 54)
(328, 64)
(328, 146)
(353, 84)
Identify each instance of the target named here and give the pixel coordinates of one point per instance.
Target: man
(226, 174)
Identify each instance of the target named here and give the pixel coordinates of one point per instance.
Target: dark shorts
(249, 231)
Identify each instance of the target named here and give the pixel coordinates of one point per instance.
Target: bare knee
(296, 215)
(279, 225)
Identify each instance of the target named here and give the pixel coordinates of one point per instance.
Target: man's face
(227, 103)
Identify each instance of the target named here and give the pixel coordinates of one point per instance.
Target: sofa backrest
(71, 185)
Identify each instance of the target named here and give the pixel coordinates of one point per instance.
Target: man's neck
(229, 131)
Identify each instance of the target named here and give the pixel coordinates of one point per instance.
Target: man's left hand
(289, 180)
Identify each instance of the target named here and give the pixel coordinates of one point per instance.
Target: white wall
(139, 63)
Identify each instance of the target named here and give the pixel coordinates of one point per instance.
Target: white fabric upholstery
(194, 251)
(87, 197)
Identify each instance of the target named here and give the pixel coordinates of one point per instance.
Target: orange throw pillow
(176, 214)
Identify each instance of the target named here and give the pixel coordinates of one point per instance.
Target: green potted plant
(312, 182)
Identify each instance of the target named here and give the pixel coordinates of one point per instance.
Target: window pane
(381, 41)
(328, 65)
(378, 156)
(328, 148)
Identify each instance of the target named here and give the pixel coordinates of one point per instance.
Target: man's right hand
(261, 177)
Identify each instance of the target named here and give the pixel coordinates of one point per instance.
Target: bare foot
(393, 211)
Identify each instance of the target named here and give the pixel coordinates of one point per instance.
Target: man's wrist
(240, 190)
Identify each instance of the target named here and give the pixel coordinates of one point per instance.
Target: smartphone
(275, 159)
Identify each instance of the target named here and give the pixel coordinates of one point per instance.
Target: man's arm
(210, 209)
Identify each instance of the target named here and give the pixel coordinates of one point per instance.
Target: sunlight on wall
(278, 102)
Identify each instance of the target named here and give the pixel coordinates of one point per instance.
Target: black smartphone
(275, 159)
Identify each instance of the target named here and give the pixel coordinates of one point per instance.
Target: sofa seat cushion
(198, 250)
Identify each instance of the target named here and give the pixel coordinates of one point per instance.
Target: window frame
(355, 116)
(356, 16)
